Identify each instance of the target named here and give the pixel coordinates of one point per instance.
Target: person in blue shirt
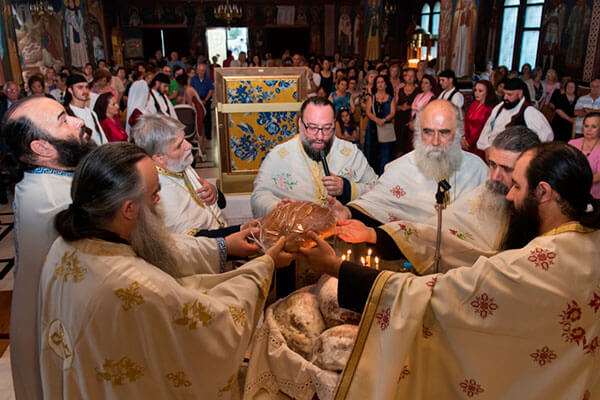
(205, 88)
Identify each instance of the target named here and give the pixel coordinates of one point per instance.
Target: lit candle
(362, 260)
(369, 252)
(348, 253)
(377, 263)
(343, 258)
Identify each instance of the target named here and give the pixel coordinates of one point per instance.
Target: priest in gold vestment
(521, 324)
(129, 311)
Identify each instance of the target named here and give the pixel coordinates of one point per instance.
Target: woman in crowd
(429, 91)
(381, 108)
(537, 89)
(362, 74)
(564, 107)
(395, 79)
(107, 109)
(188, 95)
(525, 72)
(341, 97)
(346, 128)
(326, 77)
(366, 125)
(589, 145)
(404, 99)
(551, 83)
(35, 83)
(88, 72)
(484, 99)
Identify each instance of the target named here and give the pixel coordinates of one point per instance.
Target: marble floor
(208, 170)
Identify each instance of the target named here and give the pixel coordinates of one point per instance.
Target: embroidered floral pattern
(542, 258)
(130, 296)
(238, 314)
(348, 173)
(393, 218)
(59, 340)
(283, 180)
(484, 305)
(194, 314)
(471, 387)
(426, 332)
(120, 371)
(461, 235)
(576, 334)
(70, 268)
(543, 356)
(178, 379)
(407, 230)
(383, 318)
(431, 283)
(346, 151)
(595, 302)
(397, 191)
(283, 153)
(404, 373)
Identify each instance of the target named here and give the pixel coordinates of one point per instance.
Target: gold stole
(316, 171)
(190, 186)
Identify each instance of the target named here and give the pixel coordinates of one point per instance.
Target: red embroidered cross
(484, 305)
(542, 258)
(383, 318)
(543, 356)
(471, 387)
(397, 191)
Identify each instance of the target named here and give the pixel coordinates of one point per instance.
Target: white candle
(362, 260)
(377, 263)
(369, 252)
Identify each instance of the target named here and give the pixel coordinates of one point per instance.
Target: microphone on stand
(443, 187)
(324, 161)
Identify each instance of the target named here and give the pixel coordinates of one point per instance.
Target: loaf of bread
(294, 220)
(333, 314)
(300, 321)
(332, 348)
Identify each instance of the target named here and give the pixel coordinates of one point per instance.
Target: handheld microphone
(324, 161)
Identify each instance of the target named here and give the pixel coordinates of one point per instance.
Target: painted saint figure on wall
(463, 36)
(76, 37)
(372, 52)
(576, 33)
(444, 34)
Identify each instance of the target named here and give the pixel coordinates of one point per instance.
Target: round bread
(300, 322)
(333, 314)
(333, 347)
(294, 220)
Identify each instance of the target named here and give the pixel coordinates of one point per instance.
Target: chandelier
(41, 8)
(228, 12)
(390, 8)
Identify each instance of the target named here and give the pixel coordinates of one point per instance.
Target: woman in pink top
(551, 84)
(107, 109)
(478, 113)
(589, 145)
(428, 93)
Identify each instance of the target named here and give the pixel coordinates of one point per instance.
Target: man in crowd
(407, 188)
(240, 62)
(123, 311)
(43, 146)
(77, 105)
(175, 60)
(534, 307)
(587, 104)
(10, 94)
(205, 88)
(158, 102)
(449, 90)
(190, 203)
(294, 169)
(60, 87)
(514, 110)
(472, 226)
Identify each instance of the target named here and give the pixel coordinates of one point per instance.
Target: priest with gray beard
(472, 226)
(128, 310)
(406, 190)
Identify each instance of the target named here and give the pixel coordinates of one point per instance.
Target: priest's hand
(280, 257)
(207, 193)
(340, 211)
(238, 244)
(253, 223)
(333, 184)
(284, 201)
(322, 258)
(354, 231)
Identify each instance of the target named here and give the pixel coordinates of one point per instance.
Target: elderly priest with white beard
(407, 188)
(128, 310)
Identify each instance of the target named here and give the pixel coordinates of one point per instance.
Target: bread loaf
(333, 314)
(294, 220)
(332, 348)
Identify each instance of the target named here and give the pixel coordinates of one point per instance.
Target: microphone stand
(443, 187)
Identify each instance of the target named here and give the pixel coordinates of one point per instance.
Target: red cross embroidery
(471, 387)
(397, 191)
(543, 356)
(383, 318)
(484, 305)
(542, 258)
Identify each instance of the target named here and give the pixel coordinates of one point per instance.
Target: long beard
(152, 241)
(71, 151)
(493, 198)
(437, 162)
(523, 226)
(314, 154)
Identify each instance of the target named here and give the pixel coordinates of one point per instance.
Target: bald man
(407, 188)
